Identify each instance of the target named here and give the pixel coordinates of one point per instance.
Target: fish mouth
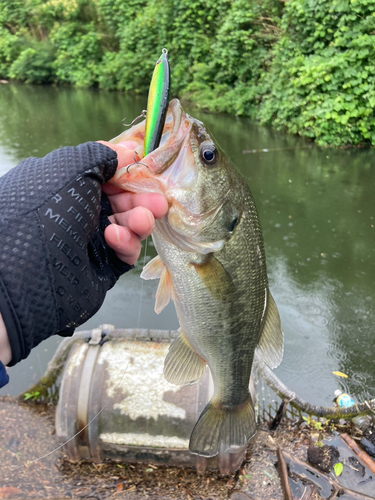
(173, 120)
(154, 172)
(168, 169)
(175, 133)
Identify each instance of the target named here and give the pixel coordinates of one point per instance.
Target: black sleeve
(55, 267)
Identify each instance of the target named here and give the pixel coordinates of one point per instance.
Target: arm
(65, 243)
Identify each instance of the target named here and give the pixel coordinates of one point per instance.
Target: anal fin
(153, 269)
(183, 365)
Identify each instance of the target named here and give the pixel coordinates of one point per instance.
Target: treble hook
(136, 162)
(136, 120)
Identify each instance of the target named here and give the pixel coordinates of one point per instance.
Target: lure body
(157, 104)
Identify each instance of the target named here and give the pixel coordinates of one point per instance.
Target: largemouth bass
(211, 263)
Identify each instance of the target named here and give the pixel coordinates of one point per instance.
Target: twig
(279, 415)
(337, 489)
(284, 477)
(187, 490)
(362, 455)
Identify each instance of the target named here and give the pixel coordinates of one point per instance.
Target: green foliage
(313, 423)
(322, 80)
(227, 81)
(77, 53)
(34, 64)
(31, 395)
(306, 66)
(338, 468)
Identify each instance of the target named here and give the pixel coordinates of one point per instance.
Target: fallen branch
(362, 455)
(287, 465)
(56, 365)
(284, 476)
(332, 413)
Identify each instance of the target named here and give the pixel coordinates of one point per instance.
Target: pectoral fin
(157, 269)
(215, 277)
(164, 292)
(271, 342)
(153, 269)
(183, 365)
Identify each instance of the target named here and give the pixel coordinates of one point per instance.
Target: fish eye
(208, 154)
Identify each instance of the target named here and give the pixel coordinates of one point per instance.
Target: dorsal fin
(271, 342)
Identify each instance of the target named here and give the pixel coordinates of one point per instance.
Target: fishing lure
(157, 104)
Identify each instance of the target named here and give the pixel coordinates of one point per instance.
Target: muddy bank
(27, 433)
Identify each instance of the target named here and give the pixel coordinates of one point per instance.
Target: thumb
(101, 157)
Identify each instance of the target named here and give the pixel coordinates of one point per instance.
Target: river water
(317, 210)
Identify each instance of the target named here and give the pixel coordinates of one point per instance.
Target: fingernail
(150, 218)
(121, 236)
(117, 232)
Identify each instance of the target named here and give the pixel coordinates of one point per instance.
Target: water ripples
(320, 337)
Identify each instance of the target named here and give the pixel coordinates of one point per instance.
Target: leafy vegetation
(338, 468)
(322, 80)
(31, 395)
(306, 66)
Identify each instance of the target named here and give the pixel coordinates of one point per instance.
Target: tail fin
(220, 428)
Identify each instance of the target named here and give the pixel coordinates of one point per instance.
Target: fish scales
(239, 314)
(211, 263)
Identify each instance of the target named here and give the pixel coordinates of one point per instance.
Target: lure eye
(208, 154)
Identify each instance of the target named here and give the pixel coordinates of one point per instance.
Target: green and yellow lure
(157, 104)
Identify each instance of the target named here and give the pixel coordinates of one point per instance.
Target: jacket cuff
(4, 377)
(12, 325)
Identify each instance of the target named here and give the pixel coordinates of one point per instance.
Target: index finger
(124, 201)
(125, 152)
(125, 156)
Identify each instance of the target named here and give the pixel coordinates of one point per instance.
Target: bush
(34, 64)
(322, 79)
(306, 66)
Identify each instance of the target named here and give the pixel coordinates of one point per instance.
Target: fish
(211, 264)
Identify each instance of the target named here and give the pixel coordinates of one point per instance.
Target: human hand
(134, 215)
(55, 264)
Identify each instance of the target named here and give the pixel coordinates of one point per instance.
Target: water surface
(317, 212)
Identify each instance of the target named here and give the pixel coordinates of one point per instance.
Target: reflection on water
(327, 328)
(317, 212)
